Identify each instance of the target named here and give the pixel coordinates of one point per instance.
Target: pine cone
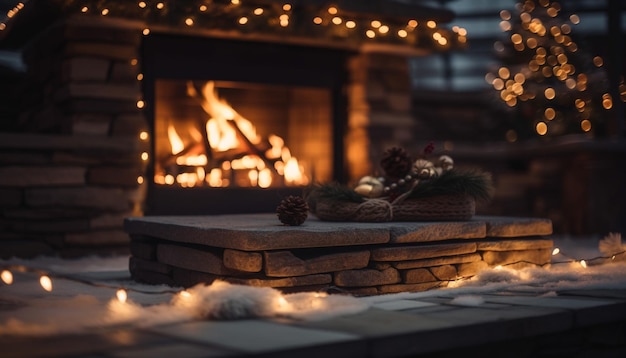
(293, 210)
(396, 162)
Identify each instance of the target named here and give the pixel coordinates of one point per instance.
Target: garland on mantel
(409, 191)
(321, 21)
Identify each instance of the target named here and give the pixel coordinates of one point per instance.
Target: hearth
(237, 125)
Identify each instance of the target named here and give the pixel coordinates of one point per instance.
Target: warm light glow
(140, 104)
(140, 180)
(332, 10)
(189, 21)
(585, 125)
(160, 5)
(412, 23)
(84, 9)
(258, 11)
(402, 33)
(350, 24)
(46, 283)
(549, 113)
(144, 156)
(504, 73)
(7, 277)
(337, 20)
(134, 62)
(516, 38)
(140, 77)
(541, 128)
(203, 8)
(121, 295)
(556, 251)
(243, 20)
(234, 2)
(105, 12)
(499, 267)
(431, 24)
(317, 20)
(505, 15)
(142, 4)
(549, 93)
(574, 19)
(598, 61)
(583, 263)
(175, 141)
(370, 33)
(376, 24)
(146, 32)
(383, 29)
(184, 294)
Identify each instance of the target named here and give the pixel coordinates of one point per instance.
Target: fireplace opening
(238, 125)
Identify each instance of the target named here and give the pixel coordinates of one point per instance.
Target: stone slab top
(253, 232)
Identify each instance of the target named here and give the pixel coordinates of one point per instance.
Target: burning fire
(230, 152)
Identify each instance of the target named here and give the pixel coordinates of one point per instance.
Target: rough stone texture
(285, 263)
(537, 257)
(85, 197)
(412, 287)
(366, 277)
(243, 261)
(22, 177)
(420, 275)
(471, 268)
(437, 261)
(254, 232)
(97, 238)
(308, 280)
(147, 265)
(191, 259)
(423, 232)
(444, 273)
(192, 247)
(512, 245)
(415, 252)
(516, 227)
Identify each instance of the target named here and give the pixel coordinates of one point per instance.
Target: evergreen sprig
(473, 183)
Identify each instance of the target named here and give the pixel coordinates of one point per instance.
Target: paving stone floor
(589, 320)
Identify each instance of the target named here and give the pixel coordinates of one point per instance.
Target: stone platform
(356, 258)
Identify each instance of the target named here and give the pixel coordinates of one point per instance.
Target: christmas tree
(551, 84)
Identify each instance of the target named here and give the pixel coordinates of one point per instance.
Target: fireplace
(91, 146)
(237, 125)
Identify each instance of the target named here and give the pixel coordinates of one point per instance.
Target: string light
(46, 283)
(121, 295)
(7, 277)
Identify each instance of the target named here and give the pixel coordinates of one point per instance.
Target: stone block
(85, 69)
(413, 287)
(189, 278)
(129, 125)
(103, 50)
(437, 231)
(191, 259)
(420, 275)
(51, 225)
(444, 273)
(85, 197)
(256, 232)
(124, 71)
(153, 278)
(107, 221)
(514, 245)
(91, 124)
(98, 238)
(537, 257)
(114, 175)
(143, 250)
(471, 268)
(309, 280)
(366, 277)
(415, 252)
(438, 261)
(286, 263)
(516, 227)
(25, 249)
(243, 261)
(138, 264)
(124, 92)
(19, 176)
